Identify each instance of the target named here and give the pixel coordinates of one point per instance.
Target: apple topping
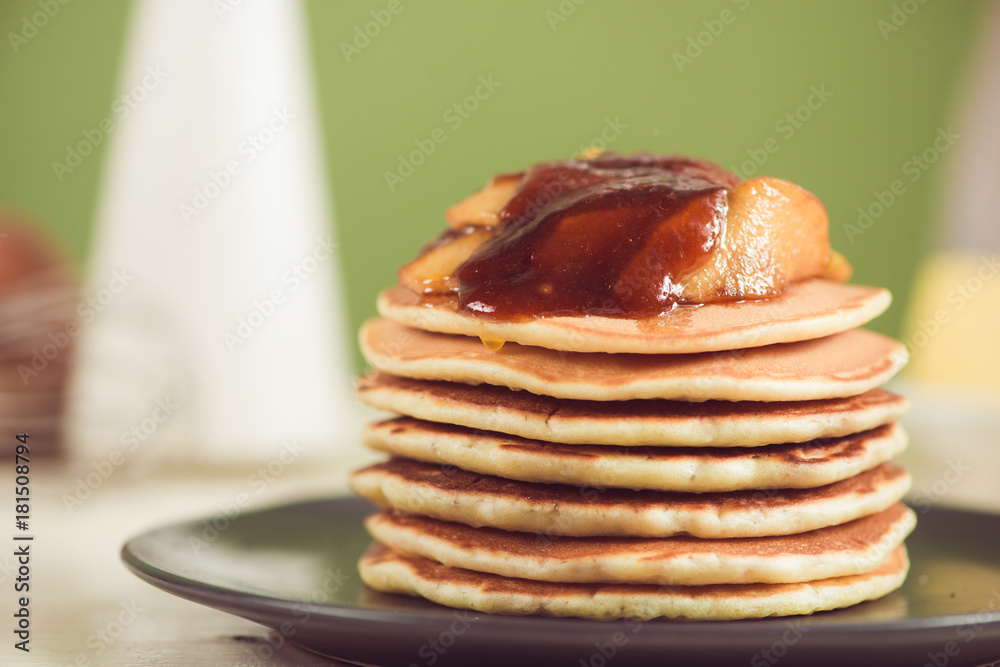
(482, 208)
(433, 272)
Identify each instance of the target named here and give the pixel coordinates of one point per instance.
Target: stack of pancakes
(724, 461)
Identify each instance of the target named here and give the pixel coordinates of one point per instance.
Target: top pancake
(845, 364)
(805, 310)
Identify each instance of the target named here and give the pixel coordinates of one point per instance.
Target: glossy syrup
(608, 236)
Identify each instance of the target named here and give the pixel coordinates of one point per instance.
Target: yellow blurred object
(953, 324)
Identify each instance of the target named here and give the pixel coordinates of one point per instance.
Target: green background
(559, 83)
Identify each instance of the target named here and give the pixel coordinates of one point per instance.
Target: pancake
(390, 572)
(452, 494)
(850, 548)
(629, 423)
(815, 463)
(808, 309)
(844, 364)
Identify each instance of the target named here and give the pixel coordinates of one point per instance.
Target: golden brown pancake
(390, 572)
(844, 364)
(452, 494)
(850, 548)
(812, 308)
(630, 423)
(795, 465)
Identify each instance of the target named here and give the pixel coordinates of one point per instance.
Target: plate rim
(174, 583)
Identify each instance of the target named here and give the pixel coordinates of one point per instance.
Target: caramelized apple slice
(433, 271)
(776, 233)
(676, 244)
(481, 208)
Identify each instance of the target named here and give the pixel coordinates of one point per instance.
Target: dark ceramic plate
(294, 569)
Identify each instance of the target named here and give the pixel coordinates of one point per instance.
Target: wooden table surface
(87, 609)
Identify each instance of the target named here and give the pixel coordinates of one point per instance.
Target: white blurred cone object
(212, 329)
